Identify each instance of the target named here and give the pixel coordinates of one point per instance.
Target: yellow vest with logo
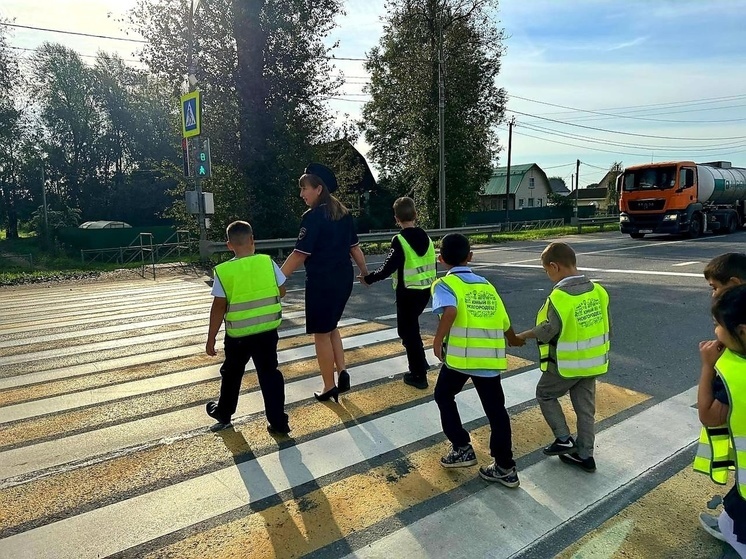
(723, 448)
(253, 295)
(419, 271)
(476, 340)
(582, 349)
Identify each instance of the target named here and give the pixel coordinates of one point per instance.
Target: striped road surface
(105, 449)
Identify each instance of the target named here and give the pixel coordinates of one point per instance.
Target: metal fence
(378, 238)
(18, 259)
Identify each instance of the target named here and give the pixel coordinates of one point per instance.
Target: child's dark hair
(404, 209)
(559, 253)
(726, 266)
(454, 249)
(239, 232)
(729, 309)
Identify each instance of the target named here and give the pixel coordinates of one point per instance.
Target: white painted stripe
(109, 315)
(173, 508)
(56, 313)
(685, 263)
(548, 496)
(392, 316)
(123, 328)
(121, 362)
(612, 271)
(59, 298)
(165, 427)
(103, 394)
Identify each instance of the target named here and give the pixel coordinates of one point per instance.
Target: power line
(612, 115)
(79, 54)
(73, 33)
(542, 129)
(631, 133)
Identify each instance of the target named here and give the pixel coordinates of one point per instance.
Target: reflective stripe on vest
(715, 454)
(253, 296)
(582, 348)
(419, 271)
(476, 340)
(724, 448)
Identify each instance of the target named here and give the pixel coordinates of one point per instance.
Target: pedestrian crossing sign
(191, 114)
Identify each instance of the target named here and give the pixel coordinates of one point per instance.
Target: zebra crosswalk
(106, 450)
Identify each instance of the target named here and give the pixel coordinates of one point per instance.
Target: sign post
(191, 127)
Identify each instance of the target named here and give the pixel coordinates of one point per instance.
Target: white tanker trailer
(681, 197)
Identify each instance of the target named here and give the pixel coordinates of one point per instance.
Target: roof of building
(349, 165)
(558, 186)
(594, 193)
(497, 183)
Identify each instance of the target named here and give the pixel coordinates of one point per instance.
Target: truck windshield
(654, 178)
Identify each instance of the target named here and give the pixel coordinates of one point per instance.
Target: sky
(666, 75)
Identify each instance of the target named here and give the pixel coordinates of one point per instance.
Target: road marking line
(103, 394)
(609, 270)
(392, 316)
(686, 263)
(549, 495)
(172, 508)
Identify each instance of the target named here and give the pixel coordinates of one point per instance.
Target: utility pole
(511, 124)
(577, 185)
(441, 130)
(191, 76)
(44, 200)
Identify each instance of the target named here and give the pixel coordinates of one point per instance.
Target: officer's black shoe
(212, 411)
(282, 430)
(343, 382)
(418, 381)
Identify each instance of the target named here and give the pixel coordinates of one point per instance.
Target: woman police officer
(326, 241)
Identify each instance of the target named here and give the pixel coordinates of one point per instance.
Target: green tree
(11, 131)
(264, 73)
(401, 120)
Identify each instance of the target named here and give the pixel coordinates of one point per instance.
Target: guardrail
(208, 248)
(599, 221)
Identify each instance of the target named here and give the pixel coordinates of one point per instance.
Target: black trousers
(262, 348)
(491, 394)
(409, 306)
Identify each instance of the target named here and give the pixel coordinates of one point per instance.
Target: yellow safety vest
(582, 349)
(253, 295)
(419, 271)
(723, 448)
(476, 340)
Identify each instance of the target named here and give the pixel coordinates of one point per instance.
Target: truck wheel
(637, 235)
(695, 227)
(732, 224)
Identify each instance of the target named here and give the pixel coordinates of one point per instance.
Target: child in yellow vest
(412, 259)
(247, 292)
(470, 340)
(573, 330)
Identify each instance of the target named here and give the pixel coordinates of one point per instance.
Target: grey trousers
(583, 396)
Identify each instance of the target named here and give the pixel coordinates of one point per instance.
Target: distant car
(104, 225)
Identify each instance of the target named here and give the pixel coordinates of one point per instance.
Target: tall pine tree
(401, 120)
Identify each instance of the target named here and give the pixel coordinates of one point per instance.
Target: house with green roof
(529, 188)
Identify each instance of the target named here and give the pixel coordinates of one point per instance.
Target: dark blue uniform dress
(329, 275)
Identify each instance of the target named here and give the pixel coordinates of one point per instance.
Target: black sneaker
(459, 458)
(558, 447)
(587, 464)
(416, 381)
(493, 472)
(212, 411)
(283, 430)
(710, 524)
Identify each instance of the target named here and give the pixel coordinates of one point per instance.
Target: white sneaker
(710, 525)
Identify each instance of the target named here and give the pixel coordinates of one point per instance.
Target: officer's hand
(710, 352)
(210, 348)
(361, 279)
(438, 348)
(516, 341)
